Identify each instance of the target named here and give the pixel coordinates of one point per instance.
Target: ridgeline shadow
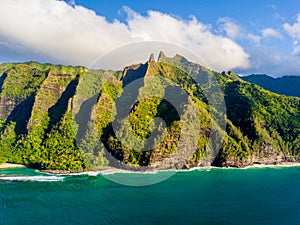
(84, 116)
(2, 78)
(21, 114)
(57, 111)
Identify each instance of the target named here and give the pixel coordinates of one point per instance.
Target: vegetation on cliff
(71, 118)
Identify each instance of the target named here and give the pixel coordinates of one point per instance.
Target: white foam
(32, 178)
(204, 168)
(255, 166)
(111, 171)
(122, 171)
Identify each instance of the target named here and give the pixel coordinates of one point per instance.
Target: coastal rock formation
(158, 115)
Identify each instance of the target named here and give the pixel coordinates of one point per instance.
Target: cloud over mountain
(67, 33)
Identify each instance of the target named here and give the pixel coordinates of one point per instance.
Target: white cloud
(234, 31)
(72, 2)
(230, 27)
(276, 15)
(295, 43)
(4, 43)
(59, 31)
(266, 60)
(218, 52)
(254, 38)
(296, 51)
(76, 35)
(270, 32)
(293, 29)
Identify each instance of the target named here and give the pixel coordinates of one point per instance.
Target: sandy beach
(10, 165)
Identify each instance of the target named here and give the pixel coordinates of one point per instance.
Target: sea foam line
(204, 168)
(122, 171)
(110, 172)
(32, 178)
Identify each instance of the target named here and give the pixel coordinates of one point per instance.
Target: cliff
(163, 114)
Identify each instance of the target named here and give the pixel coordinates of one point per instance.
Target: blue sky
(244, 36)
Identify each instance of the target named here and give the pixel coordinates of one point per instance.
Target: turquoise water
(217, 196)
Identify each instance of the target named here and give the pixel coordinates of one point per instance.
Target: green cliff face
(71, 118)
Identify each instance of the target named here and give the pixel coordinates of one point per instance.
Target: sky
(247, 37)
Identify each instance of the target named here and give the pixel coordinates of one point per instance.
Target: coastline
(11, 165)
(282, 164)
(112, 170)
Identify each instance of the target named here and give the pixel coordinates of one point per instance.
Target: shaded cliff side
(72, 118)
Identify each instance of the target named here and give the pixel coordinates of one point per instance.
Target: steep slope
(144, 101)
(286, 85)
(37, 102)
(259, 129)
(18, 84)
(269, 124)
(166, 114)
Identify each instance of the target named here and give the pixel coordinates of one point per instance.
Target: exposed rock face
(262, 127)
(7, 106)
(272, 159)
(161, 56)
(134, 72)
(7, 103)
(48, 95)
(151, 59)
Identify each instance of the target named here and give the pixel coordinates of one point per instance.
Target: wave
(32, 178)
(122, 171)
(204, 168)
(111, 171)
(256, 166)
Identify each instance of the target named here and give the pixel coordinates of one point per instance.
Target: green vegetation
(36, 123)
(21, 81)
(64, 118)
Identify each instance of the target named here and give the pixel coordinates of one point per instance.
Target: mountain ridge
(287, 85)
(44, 110)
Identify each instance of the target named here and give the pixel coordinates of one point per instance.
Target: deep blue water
(217, 196)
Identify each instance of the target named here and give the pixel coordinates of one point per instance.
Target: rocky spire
(161, 56)
(151, 59)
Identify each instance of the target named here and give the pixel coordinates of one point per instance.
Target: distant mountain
(286, 85)
(63, 118)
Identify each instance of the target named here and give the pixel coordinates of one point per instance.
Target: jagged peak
(151, 59)
(230, 75)
(161, 56)
(178, 56)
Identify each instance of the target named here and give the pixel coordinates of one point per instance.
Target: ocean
(204, 196)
